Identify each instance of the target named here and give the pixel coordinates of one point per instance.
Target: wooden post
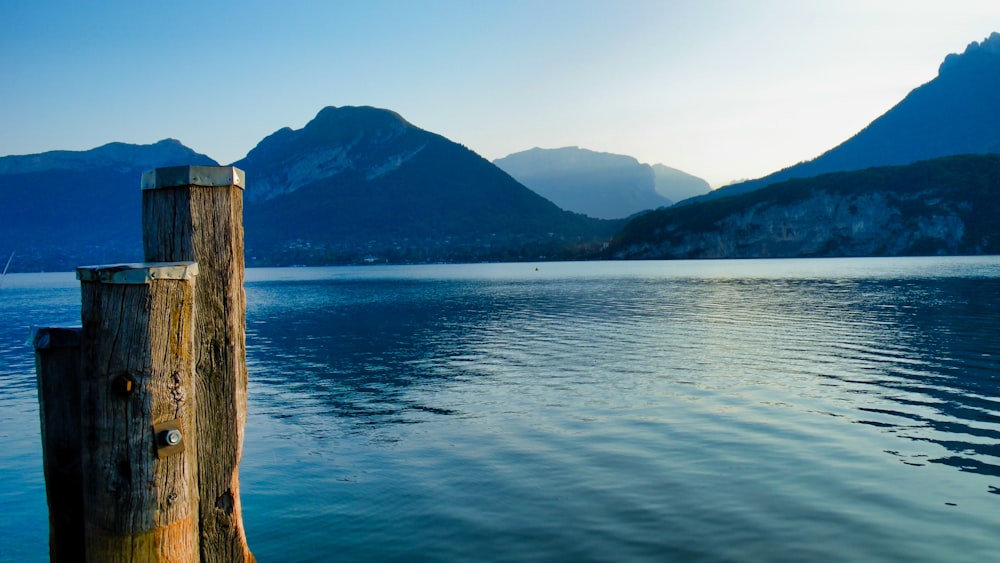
(57, 366)
(138, 413)
(196, 213)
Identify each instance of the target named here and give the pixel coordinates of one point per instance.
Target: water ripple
(755, 410)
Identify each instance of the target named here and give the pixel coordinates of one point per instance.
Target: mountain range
(851, 200)
(63, 209)
(360, 184)
(356, 184)
(603, 185)
(955, 113)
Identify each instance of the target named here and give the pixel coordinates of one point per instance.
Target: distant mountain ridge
(598, 184)
(356, 184)
(122, 156)
(363, 183)
(677, 185)
(62, 209)
(956, 113)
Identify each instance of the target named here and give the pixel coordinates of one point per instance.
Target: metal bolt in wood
(140, 500)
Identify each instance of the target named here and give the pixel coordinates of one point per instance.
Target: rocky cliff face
(822, 225)
(947, 206)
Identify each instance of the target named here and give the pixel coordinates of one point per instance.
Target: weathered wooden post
(57, 367)
(137, 407)
(196, 213)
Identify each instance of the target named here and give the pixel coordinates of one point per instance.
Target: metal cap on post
(137, 274)
(205, 176)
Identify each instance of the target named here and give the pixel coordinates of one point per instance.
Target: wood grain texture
(138, 507)
(57, 366)
(205, 224)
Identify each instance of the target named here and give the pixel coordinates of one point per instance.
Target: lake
(758, 410)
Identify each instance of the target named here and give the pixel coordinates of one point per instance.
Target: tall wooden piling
(137, 413)
(195, 213)
(57, 366)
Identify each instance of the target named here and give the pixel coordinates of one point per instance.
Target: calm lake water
(762, 410)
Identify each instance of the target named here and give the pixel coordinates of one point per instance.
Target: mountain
(604, 185)
(117, 156)
(361, 183)
(356, 184)
(63, 209)
(941, 206)
(956, 113)
(676, 185)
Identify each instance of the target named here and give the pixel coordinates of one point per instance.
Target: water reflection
(758, 410)
(915, 358)
(349, 349)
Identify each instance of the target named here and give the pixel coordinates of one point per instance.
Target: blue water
(779, 410)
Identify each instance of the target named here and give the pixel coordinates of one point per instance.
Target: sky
(722, 89)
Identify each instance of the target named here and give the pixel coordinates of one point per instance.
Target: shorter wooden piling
(137, 413)
(57, 366)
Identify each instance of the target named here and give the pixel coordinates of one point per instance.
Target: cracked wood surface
(205, 224)
(138, 507)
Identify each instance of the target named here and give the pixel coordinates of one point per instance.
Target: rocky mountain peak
(361, 140)
(977, 53)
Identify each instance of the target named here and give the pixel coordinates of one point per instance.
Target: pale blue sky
(723, 89)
